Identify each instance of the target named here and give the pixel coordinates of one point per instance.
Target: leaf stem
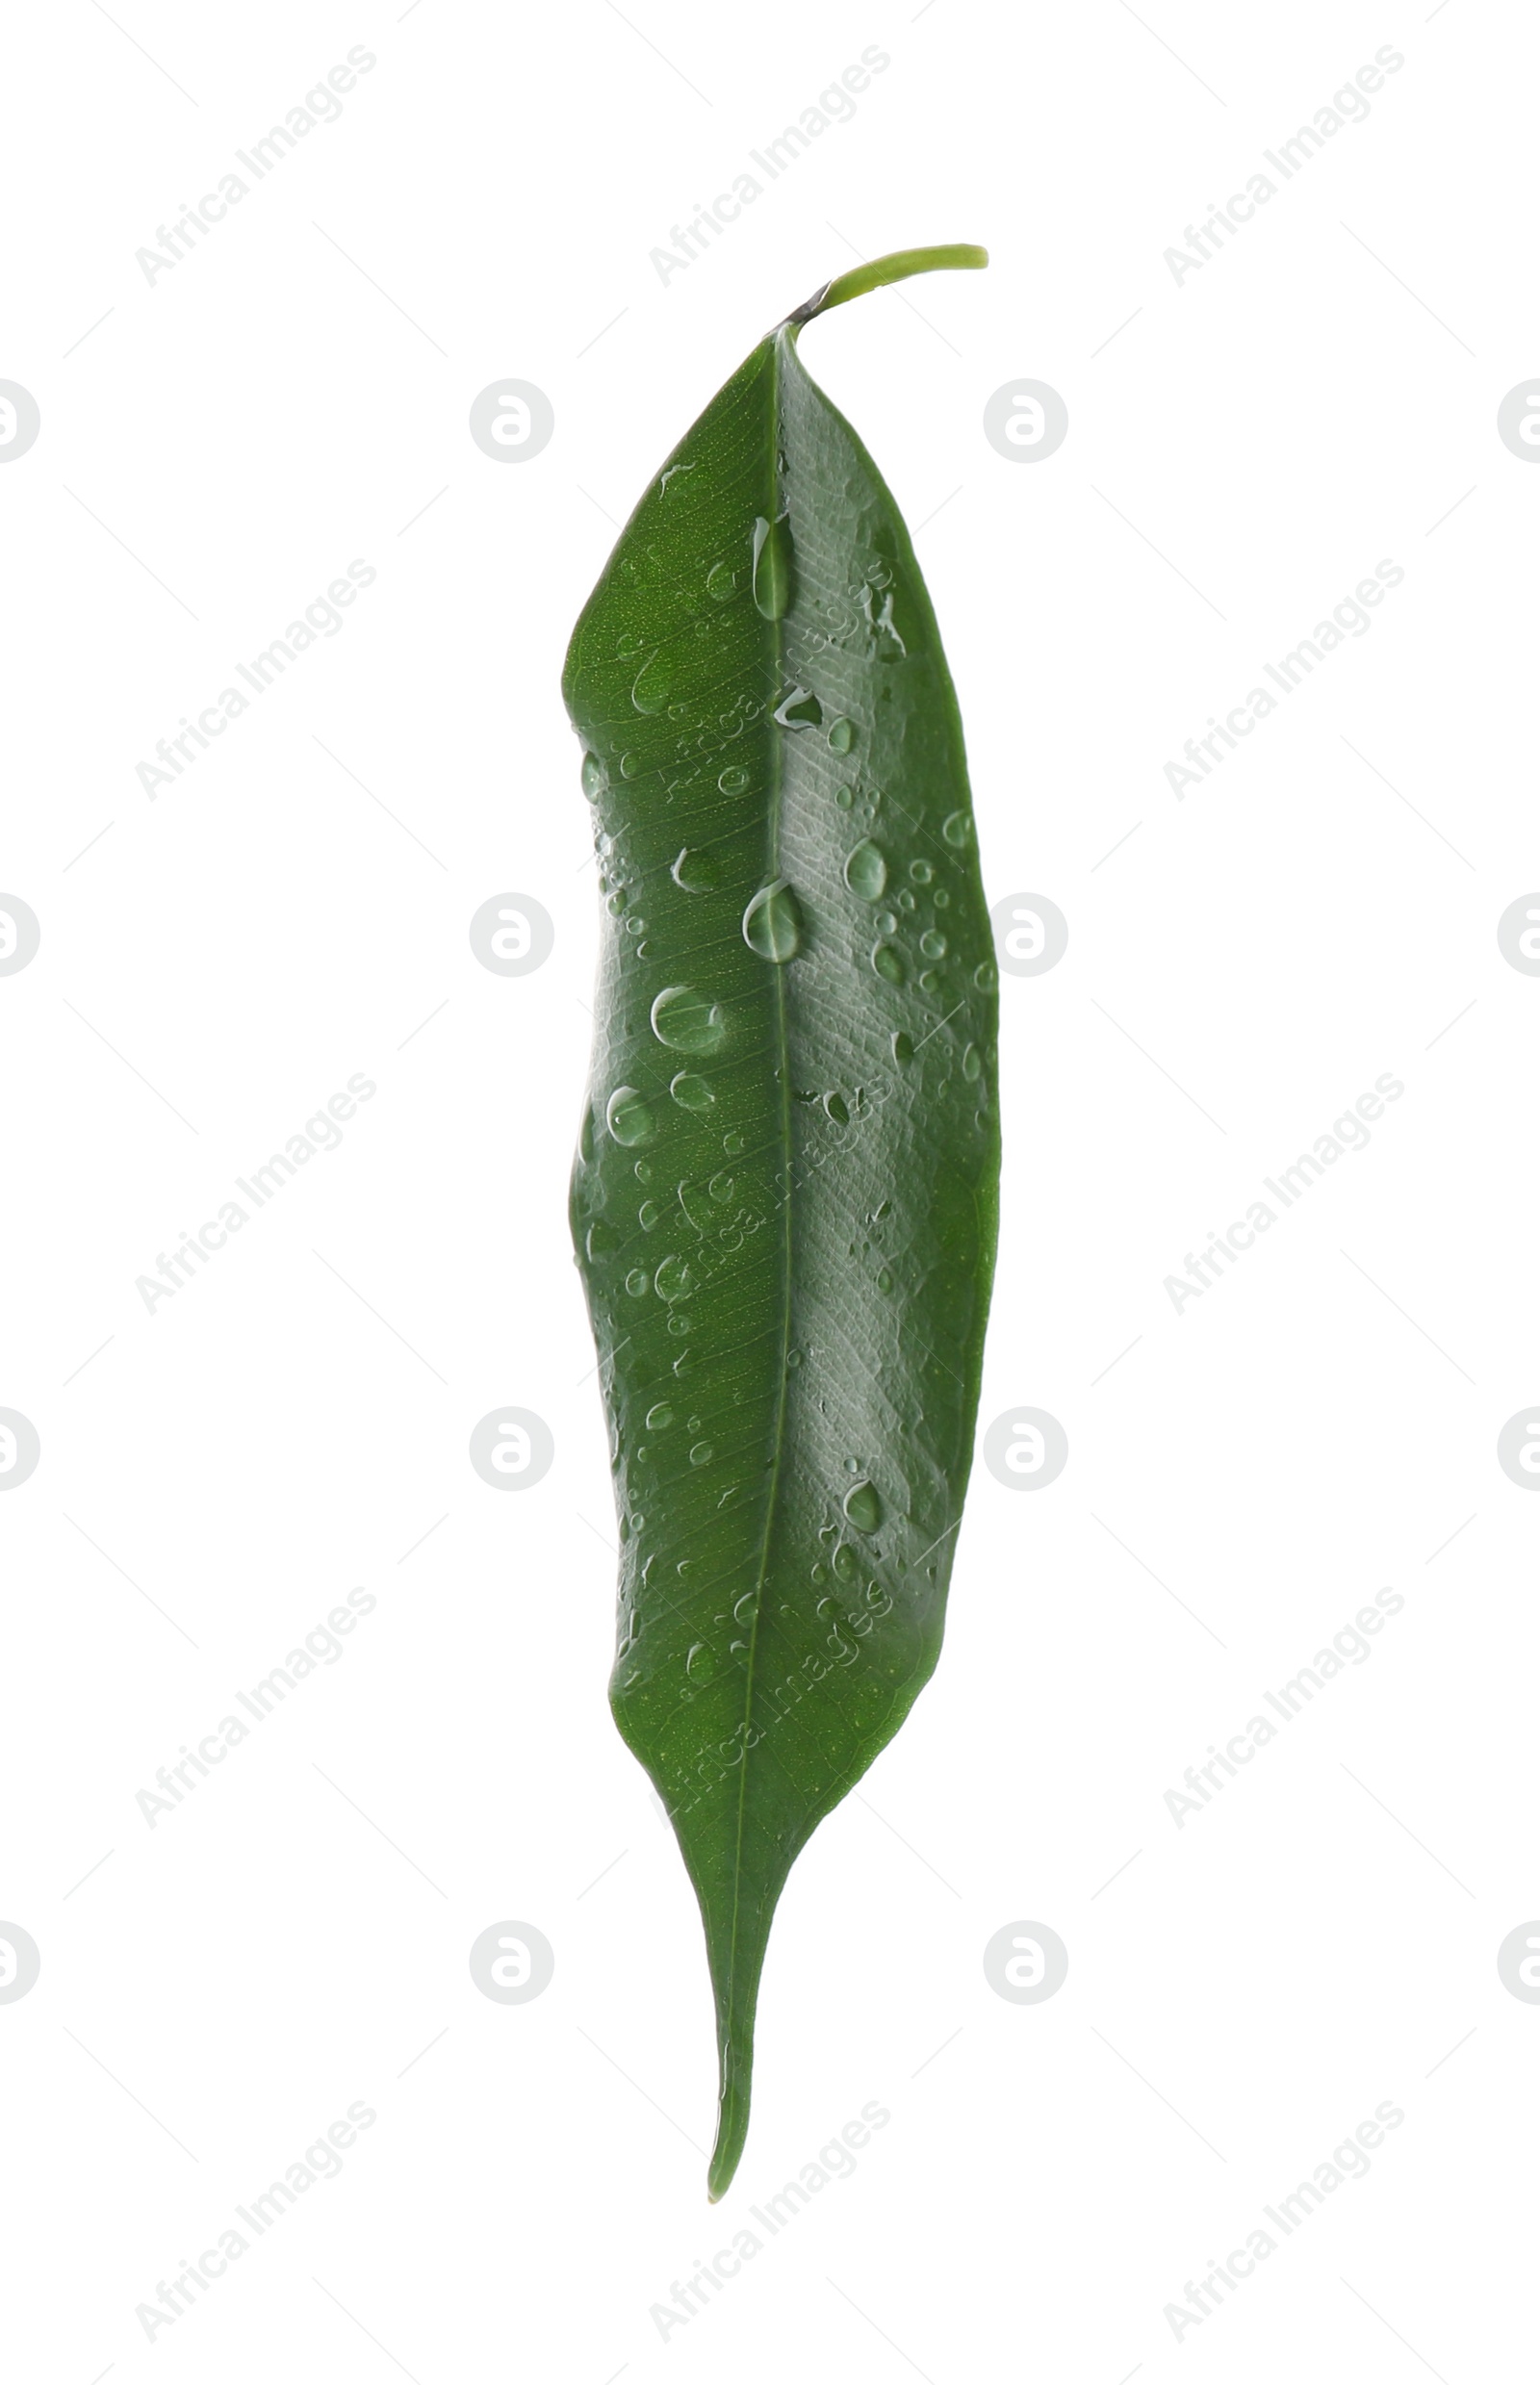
(878, 272)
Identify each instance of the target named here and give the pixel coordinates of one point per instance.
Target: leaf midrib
(784, 1073)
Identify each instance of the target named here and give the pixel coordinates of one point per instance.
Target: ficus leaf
(784, 1200)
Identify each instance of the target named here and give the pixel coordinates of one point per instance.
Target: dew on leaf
(692, 1093)
(596, 778)
(772, 566)
(688, 1021)
(841, 734)
(675, 1279)
(628, 1118)
(772, 924)
(866, 870)
(888, 962)
(863, 1508)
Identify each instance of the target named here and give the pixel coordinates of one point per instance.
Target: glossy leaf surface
(784, 1200)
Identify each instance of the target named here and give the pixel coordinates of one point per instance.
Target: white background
(1244, 446)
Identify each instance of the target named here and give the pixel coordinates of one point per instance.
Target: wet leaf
(797, 1167)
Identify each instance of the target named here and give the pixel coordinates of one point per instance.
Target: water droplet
(957, 828)
(687, 1021)
(921, 872)
(772, 924)
(636, 925)
(800, 710)
(972, 1064)
(841, 735)
(889, 962)
(675, 1279)
(648, 1216)
(721, 582)
(702, 1453)
(696, 872)
(906, 900)
(928, 980)
(692, 1093)
(837, 1109)
(940, 898)
(733, 1146)
(651, 687)
(596, 778)
(844, 798)
(631, 765)
(844, 1561)
(866, 870)
(721, 1186)
(885, 1279)
(636, 1282)
(627, 1116)
(772, 566)
(678, 1322)
(745, 1608)
(933, 944)
(643, 1171)
(903, 1047)
(660, 1418)
(983, 976)
(601, 1240)
(863, 1508)
(700, 1664)
(629, 644)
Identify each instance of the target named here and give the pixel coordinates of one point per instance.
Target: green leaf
(785, 1201)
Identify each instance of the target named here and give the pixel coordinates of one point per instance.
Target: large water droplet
(692, 1093)
(627, 1116)
(889, 962)
(734, 780)
(650, 689)
(957, 828)
(863, 1506)
(933, 944)
(921, 872)
(772, 566)
(867, 871)
(837, 1108)
(702, 1454)
(772, 924)
(596, 778)
(841, 735)
(696, 872)
(688, 1021)
(636, 1282)
(799, 710)
(675, 1279)
(660, 1418)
